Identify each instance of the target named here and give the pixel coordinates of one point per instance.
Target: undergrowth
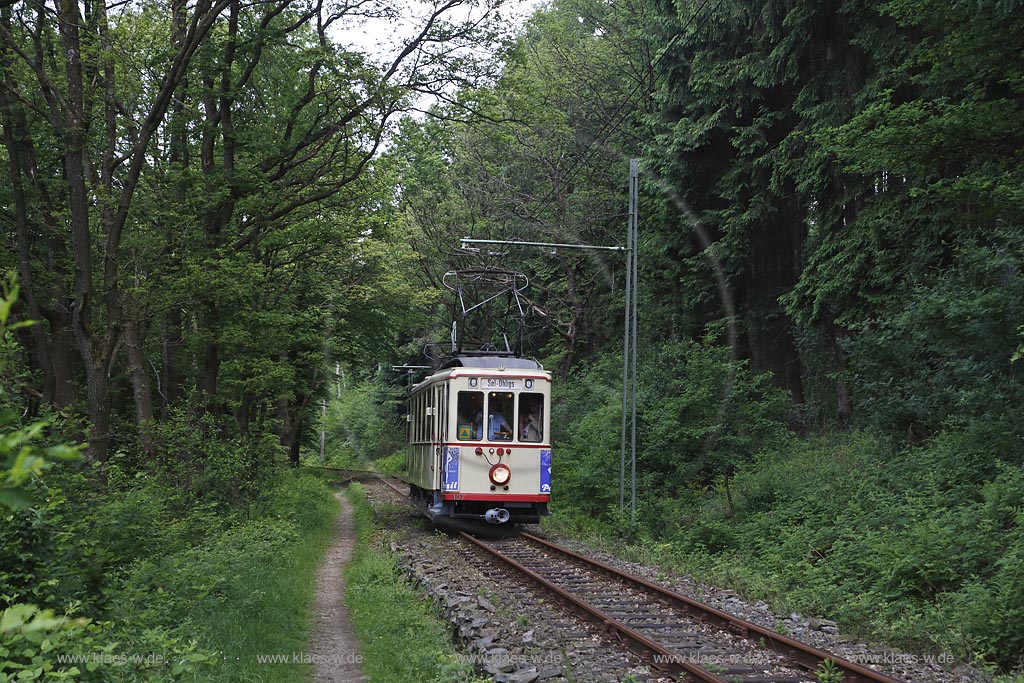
(889, 543)
(402, 638)
(114, 579)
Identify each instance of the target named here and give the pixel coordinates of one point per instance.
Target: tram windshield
(531, 417)
(506, 421)
(500, 409)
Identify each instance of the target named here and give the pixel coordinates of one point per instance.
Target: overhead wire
(614, 121)
(618, 117)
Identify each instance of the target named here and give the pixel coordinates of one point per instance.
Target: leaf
(15, 498)
(15, 616)
(63, 452)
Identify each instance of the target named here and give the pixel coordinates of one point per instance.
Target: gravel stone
(511, 630)
(821, 633)
(517, 635)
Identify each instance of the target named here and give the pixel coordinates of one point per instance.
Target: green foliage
(202, 463)
(1019, 353)
(402, 638)
(157, 590)
(700, 415)
(30, 637)
(828, 672)
(897, 541)
(942, 355)
(365, 422)
(245, 591)
(539, 163)
(36, 645)
(393, 464)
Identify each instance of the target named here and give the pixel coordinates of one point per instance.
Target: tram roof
(495, 362)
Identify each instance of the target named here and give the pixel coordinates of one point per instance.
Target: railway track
(393, 491)
(370, 477)
(679, 636)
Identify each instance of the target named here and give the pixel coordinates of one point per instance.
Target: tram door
(439, 429)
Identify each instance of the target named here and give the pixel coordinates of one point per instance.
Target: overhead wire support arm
(629, 341)
(541, 245)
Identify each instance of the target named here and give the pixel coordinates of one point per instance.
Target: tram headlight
(500, 474)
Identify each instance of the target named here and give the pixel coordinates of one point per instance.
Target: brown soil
(335, 649)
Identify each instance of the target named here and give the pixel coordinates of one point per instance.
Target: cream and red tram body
(479, 440)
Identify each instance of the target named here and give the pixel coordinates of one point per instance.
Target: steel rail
(668, 661)
(362, 474)
(394, 488)
(806, 655)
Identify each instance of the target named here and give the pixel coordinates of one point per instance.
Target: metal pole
(634, 218)
(323, 430)
(625, 358)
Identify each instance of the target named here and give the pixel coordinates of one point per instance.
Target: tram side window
(531, 417)
(416, 418)
(412, 420)
(500, 409)
(419, 418)
(470, 416)
(428, 416)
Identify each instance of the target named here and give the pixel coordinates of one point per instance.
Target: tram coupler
(497, 515)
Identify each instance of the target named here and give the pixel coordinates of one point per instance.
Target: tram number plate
(502, 384)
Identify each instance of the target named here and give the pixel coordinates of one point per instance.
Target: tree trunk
(96, 356)
(15, 140)
(844, 403)
(772, 271)
(140, 384)
(172, 379)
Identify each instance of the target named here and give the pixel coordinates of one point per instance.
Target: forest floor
(335, 648)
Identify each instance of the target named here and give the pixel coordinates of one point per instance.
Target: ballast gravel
(509, 630)
(513, 633)
(821, 633)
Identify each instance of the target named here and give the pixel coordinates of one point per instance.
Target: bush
(201, 462)
(163, 590)
(365, 424)
(700, 415)
(36, 645)
(891, 540)
(939, 354)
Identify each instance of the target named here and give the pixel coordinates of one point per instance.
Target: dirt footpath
(335, 648)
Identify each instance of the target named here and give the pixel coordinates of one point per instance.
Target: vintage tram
(479, 439)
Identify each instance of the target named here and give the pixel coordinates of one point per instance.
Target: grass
(275, 615)
(344, 458)
(921, 546)
(401, 635)
(246, 594)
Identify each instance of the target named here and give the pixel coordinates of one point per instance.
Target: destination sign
(502, 384)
